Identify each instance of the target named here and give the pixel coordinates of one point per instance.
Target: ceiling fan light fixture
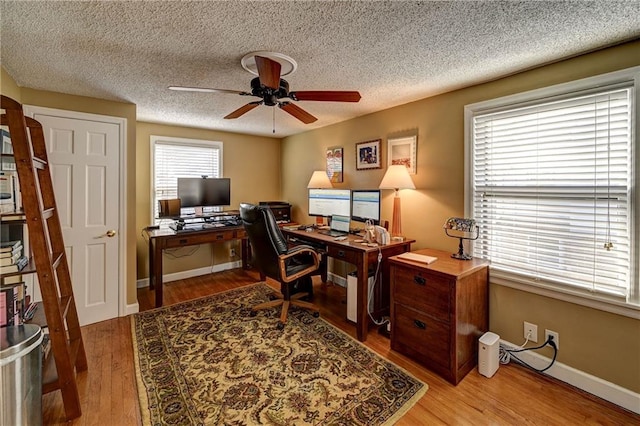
(288, 64)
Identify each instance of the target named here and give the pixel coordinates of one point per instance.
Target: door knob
(111, 233)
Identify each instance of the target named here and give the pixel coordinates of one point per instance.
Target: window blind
(174, 160)
(551, 190)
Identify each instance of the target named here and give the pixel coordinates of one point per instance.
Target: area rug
(208, 362)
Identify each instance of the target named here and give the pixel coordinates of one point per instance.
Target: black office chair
(292, 267)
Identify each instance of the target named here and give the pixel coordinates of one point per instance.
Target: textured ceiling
(393, 52)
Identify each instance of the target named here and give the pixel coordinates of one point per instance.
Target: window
(179, 157)
(551, 185)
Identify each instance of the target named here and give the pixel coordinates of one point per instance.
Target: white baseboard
(337, 279)
(594, 385)
(132, 308)
(192, 273)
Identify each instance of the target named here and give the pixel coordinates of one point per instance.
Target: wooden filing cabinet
(439, 311)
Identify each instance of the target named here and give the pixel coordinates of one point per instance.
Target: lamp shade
(397, 177)
(319, 179)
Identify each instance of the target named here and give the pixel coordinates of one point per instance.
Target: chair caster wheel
(316, 314)
(253, 313)
(280, 326)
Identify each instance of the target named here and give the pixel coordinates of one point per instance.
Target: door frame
(121, 122)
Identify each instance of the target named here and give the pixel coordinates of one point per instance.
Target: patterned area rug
(208, 362)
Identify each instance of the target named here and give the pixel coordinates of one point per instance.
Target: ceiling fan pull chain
(274, 120)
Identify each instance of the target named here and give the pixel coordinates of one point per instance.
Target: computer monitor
(329, 202)
(201, 192)
(365, 205)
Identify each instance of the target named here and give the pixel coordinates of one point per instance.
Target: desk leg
(362, 325)
(151, 271)
(244, 243)
(157, 272)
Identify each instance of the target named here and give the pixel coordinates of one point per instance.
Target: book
(9, 245)
(17, 250)
(10, 260)
(19, 295)
(416, 257)
(18, 266)
(7, 307)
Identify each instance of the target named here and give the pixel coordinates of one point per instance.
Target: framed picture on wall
(402, 151)
(334, 164)
(368, 155)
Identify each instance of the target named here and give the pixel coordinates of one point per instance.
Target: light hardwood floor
(514, 395)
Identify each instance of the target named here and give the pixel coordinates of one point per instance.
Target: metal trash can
(21, 375)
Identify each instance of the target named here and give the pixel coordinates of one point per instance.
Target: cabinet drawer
(420, 336)
(422, 291)
(344, 254)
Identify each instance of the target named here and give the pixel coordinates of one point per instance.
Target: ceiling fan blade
(205, 90)
(269, 72)
(325, 95)
(242, 110)
(297, 112)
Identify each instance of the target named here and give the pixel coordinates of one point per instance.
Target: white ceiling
(393, 52)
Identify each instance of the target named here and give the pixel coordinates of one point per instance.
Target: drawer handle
(219, 237)
(341, 253)
(420, 324)
(419, 280)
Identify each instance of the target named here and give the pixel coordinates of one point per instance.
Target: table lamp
(397, 178)
(319, 180)
(464, 229)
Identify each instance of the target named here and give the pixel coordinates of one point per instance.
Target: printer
(281, 210)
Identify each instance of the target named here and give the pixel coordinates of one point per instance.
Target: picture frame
(403, 151)
(335, 164)
(368, 155)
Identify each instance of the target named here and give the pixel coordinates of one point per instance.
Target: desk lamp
(397, 178)
(319, 180)
(464, 229)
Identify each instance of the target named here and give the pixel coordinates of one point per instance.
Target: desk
(165, 238)
(362, 257)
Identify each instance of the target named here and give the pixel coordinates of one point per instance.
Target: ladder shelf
(67, 357)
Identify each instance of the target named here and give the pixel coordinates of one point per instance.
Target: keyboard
(333, 233)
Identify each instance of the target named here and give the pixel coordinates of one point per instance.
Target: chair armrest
(293, 252)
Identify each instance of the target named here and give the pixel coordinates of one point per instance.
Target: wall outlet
(556, 337)
(232, 252)
(531, 332)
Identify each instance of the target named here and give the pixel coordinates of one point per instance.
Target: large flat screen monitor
(329, 202)
(201, 192)
(365, 205)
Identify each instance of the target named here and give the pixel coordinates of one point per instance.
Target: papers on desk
(422, 258)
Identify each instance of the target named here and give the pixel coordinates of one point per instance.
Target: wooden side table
(439, 311)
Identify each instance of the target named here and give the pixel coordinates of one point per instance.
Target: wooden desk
(363, 257)
(165, 238)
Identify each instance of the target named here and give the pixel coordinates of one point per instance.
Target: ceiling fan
(272, 90)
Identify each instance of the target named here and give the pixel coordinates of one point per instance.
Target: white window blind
(174, 158)
(551, 193)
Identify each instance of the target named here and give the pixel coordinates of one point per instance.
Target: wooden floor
(514, 395)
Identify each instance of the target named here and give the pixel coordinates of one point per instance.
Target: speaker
(169, 208)
(488, 354)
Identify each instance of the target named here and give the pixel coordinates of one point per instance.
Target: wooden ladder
(47, 247)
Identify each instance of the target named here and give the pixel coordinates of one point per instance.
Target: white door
(84, 157)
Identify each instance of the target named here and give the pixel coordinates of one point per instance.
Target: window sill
(617, 307)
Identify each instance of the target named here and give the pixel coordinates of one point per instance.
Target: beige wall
(596, 342)
(251, 162)
(8, 86)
